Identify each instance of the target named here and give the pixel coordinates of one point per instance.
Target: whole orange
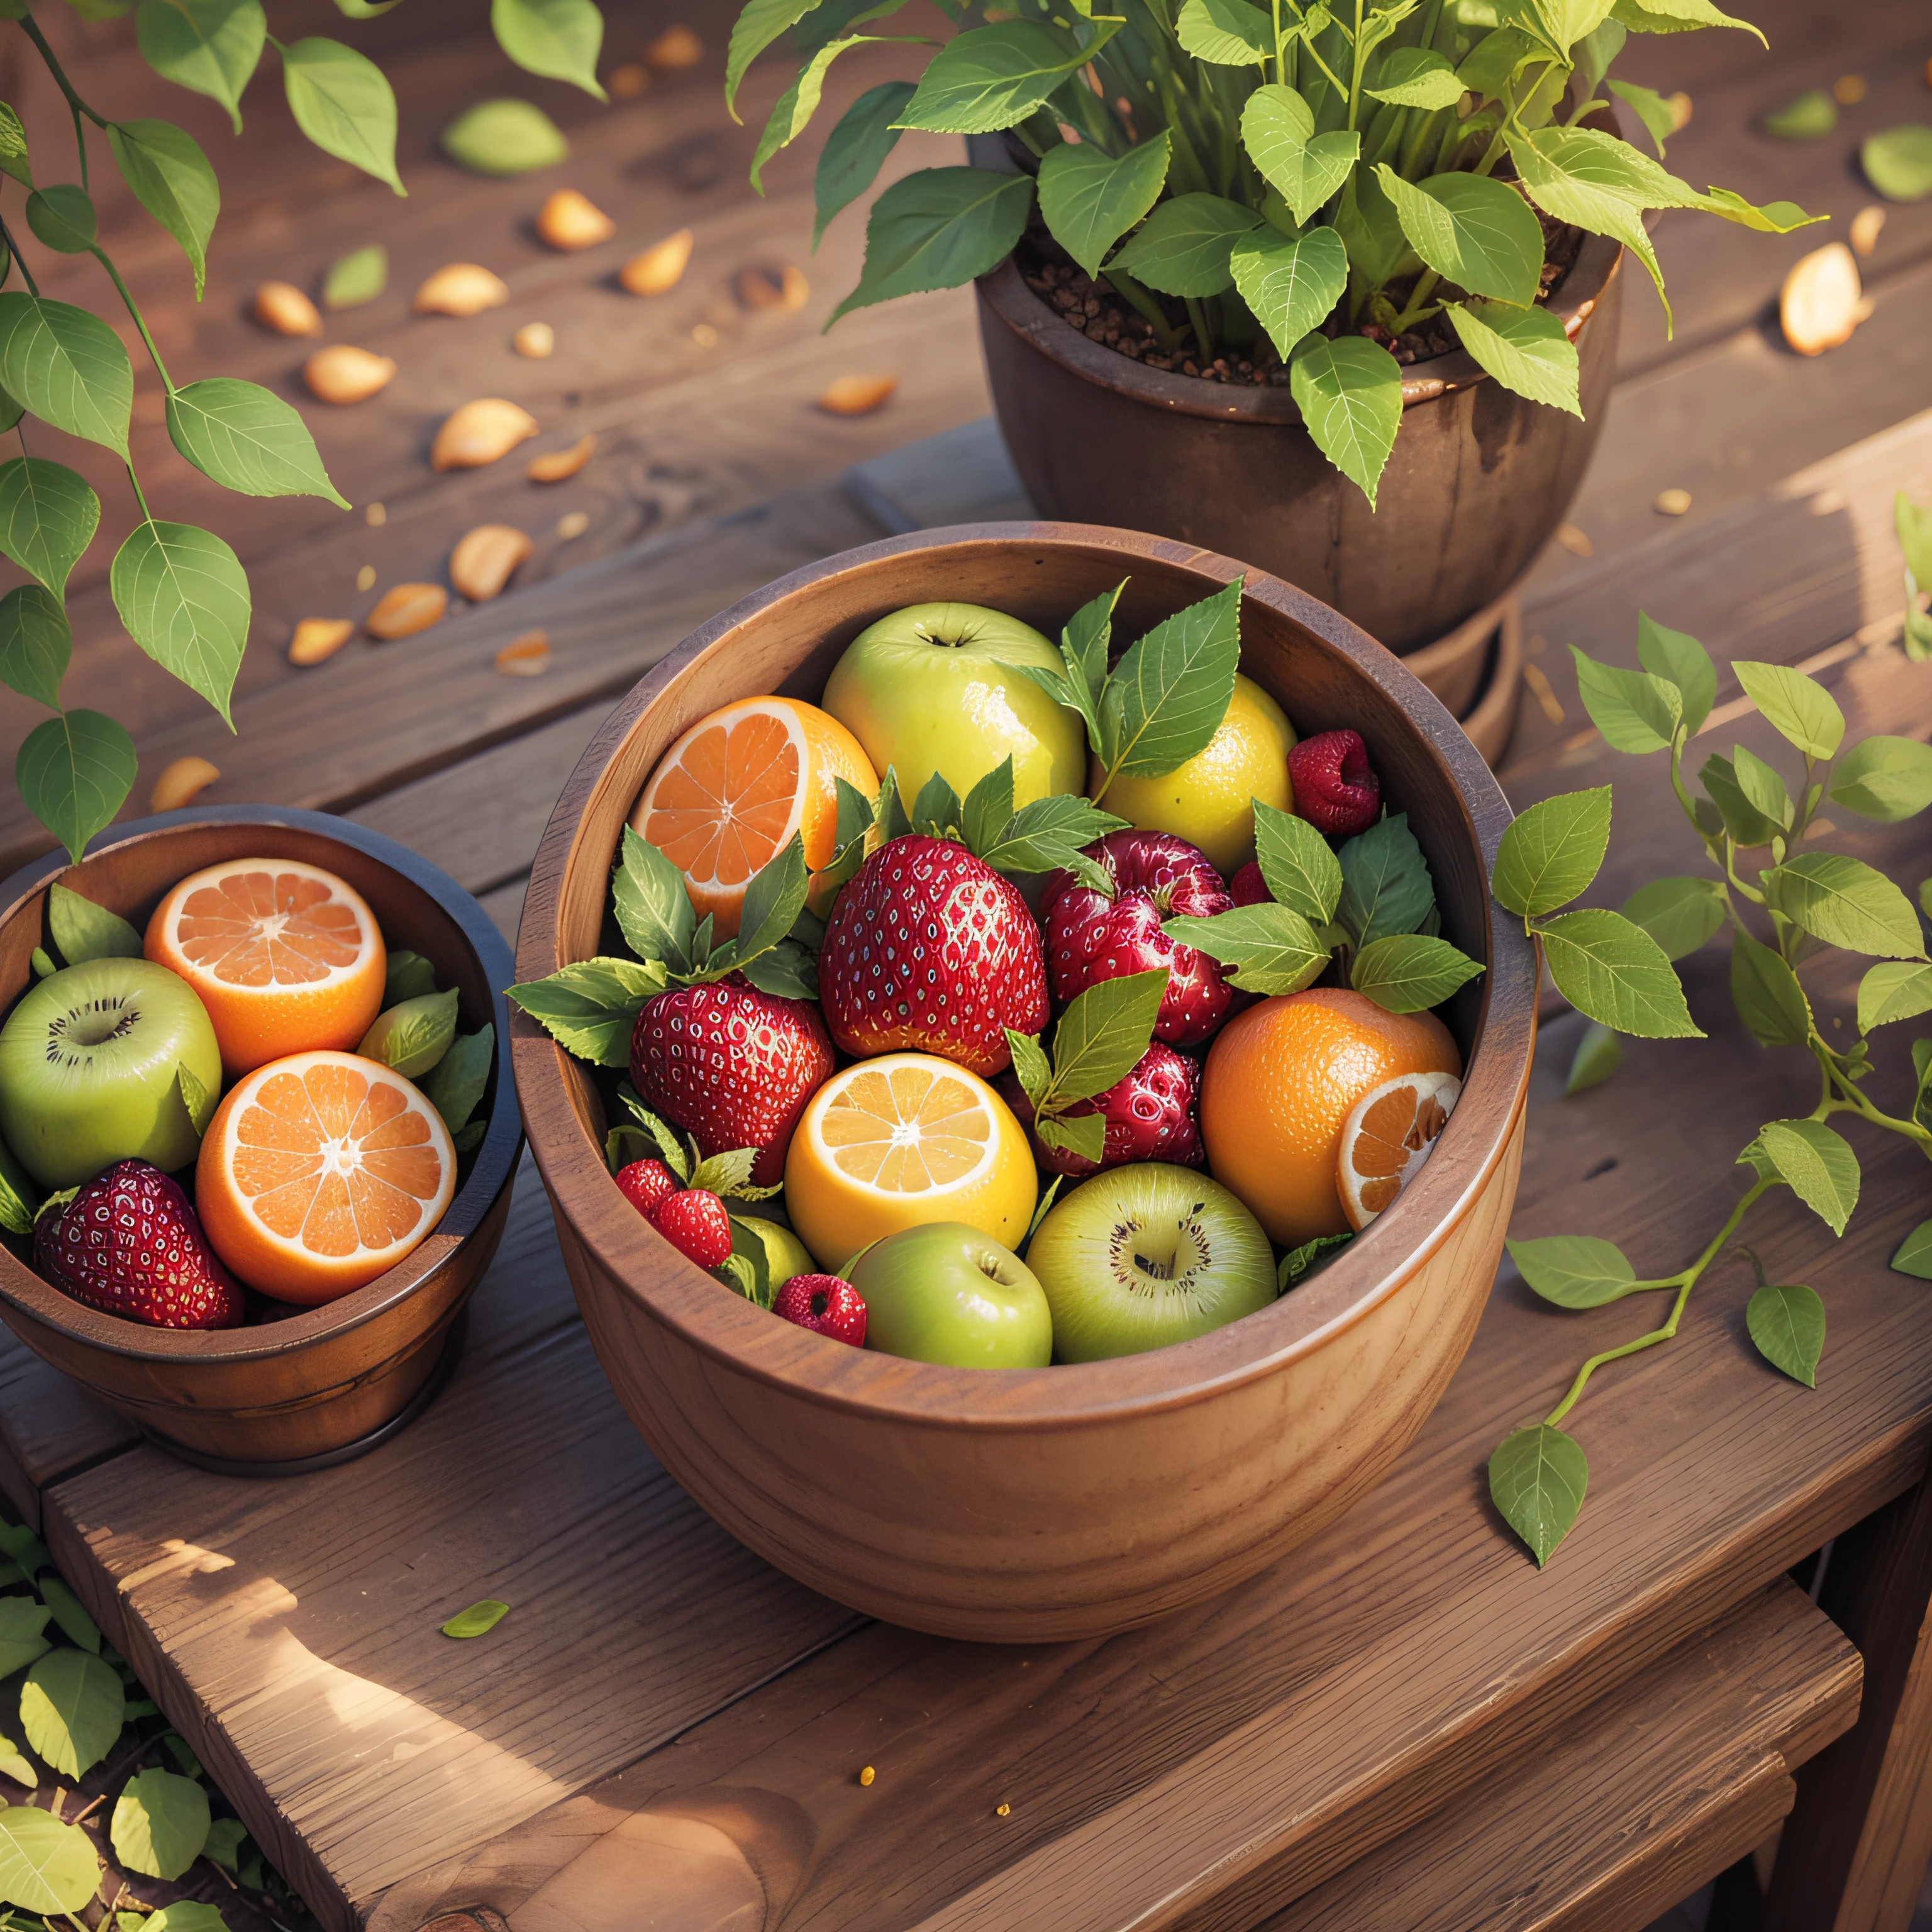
(1279, 1081)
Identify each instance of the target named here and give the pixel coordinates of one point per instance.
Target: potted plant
(1287, 233)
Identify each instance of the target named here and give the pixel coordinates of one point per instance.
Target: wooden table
(1402, 1725)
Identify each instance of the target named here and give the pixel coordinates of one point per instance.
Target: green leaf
(15, 1764)
(1675, 16)
(68, 368)
(937, 808)
(787, 971)
(1031, 1067)
(48, 516)
(988, 807)
(1299, 1263)
(413, 1037)
(199, 1102)
(409, 976)
(1810, 118)
(1303, 167)
(224, 1842)
(342, 101)
(21, 1621)
(73, 773)
(729, 1173)
(19, 1204)
(172, 179)
(1650, 107)
(591, 1009)
(1550, 853)
(1409, 972)
(792, 112)
(1613, 971)
(670, 1149)
(1798, 708)
(1269, 949)
(1474, 230)
(1088, 199)
(1767, 995)
(1679, 657)
(1580, 183)
(1084, 1134)
(68, 1612)
(649, 900)
(988, 78)
(184, 596)
(62, 217)
(1886, 778)
(188, 1915)
(1525, 350)
(46, 1865)
(1894, 989)
(1898, 162)
(1913, 1255)
(855, 150)
(160, 1824)
(355, 278)
(936, 229)
(1573, 1271)
(1292, 287)
(477, 1621)
(71, 1708)
(1774, 217)
(1185, 247)
(248, 440)
(558, 39)
(504, 138)
(1741, 819)
(1416, 77)
(13, 145)
(1171, 691)
(747, 1267)
(455, 1088)
(1104, 1033)
(1636, 710)
(1598, 1055)
(1845, 902)
(1349, 393)
(35, 643)
(1538, 1478)
(1297, 865)
(1680, 914)
(1786, 1321)
(773, 901)
(1763, 789)
(84, 931)
(1385, 884)
(210, 46)
(760, 22)
(1818, 1165)
(1496, 60)
(1225, 33)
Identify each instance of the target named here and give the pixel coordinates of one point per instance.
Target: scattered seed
(1543, 692)
(1671, 502)
(481, 564)
(561, 464)
(1849, 89)
(283, 307)
(1865, 227)
(1575, 541)
(1002, 1810)
(572, 524)
(463, 288)
(341, 374)
(675, 48)
(528, 657)
(1679, 104)
(705, 336)
(658, 267)
(407, 609)
(858, 395)
(866, 1776)
(629, 81)
(365, 578)
(317, 638)
(568, 221)
(181, 784)
(1818, 307)
(479, 432)
(535, 339)
(784, 288)
(376, 516)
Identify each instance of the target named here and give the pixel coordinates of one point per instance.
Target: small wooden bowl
(1035, 1504)
(316, 1382)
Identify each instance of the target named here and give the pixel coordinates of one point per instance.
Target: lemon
(1210, 801)
(901, 1141)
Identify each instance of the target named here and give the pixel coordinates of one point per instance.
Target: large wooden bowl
(314, 1381)
(1069, 1501)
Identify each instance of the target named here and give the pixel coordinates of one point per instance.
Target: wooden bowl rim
(496, 1159)
(746, 1341)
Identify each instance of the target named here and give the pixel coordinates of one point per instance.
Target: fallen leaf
(477, 1621)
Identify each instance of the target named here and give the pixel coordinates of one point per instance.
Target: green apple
(785, 1255)
(937, 688)
(945, 1292)
(1146, 1255)
(90, 1070)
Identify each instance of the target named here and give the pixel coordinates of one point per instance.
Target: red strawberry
(695, 1222)
(826, 1305)
(646, 1184)
(732, 1065)
(128, 1243)
(1091, 936)
(930, 951)
(1152, 1113)
(1335, 789)
(1247, 887)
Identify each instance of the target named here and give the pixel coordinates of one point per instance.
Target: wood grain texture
(49, 1428)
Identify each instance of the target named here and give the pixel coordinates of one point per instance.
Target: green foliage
(46, 1865)
(478, 1620)
(1787, 1321)
(160, 1824)
(1538, 1478)
(1599, 1055)
(1100, 1040)
(71, 1709)
(1897, 162)
(504, 137)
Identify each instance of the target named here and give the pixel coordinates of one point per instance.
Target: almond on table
(675, 48)
(570, 220)
(858, 395)
(528, 656)
(342, 374)
(406, 609)
(558, 465)
(283, 307)
(484, 559)
(464, 288)
(536, 339)
(659, 268)
(181, 783)
(317, 638)
(479, 432)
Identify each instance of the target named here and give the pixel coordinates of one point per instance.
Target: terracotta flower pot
(314, 1382)
(1479, 479)
(1066, 1502)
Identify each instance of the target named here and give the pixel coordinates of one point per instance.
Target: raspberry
(694, 1223)
(826, 1305)
(1334, 788)
(1152, 1113)
(1247, 887)
(647, 1185)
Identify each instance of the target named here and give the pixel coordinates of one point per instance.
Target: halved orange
(1390, 1131)
(728, 796)
(286, 957)
(319, 1172)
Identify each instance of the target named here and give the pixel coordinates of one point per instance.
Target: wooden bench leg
(1854, 1851)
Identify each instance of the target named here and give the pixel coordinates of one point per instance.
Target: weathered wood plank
(48, 1429)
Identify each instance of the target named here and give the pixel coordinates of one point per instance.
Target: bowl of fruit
(1027, 1070)
(257, 1133)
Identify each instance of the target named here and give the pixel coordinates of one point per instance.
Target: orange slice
(286, 957)
(728, 796)
(319, 1172)
(1389, 1133)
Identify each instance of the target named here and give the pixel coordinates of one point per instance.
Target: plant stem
(1355, 72)
(147, 515)
(1203, 337)
(13, 249)
(1855, 1102)
(54, 67)
(100, 254)
(1418, 301)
